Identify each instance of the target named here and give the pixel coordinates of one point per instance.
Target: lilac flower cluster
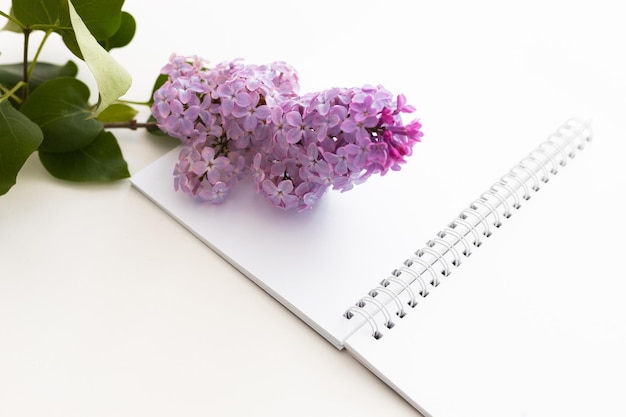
(248, 121)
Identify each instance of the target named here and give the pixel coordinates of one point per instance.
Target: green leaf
(19, 138)
(112, 79)
(117, 113)
(59, 106)
(101, 17)
(101, 160)
(37, 12)
(11, 74)
(124, 34)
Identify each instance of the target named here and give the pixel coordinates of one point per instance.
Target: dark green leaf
(101, 17)
(124, 34)
(19, 137)
(60, 108)
(117, 113)
(11, 74)
(70, 42)
(38, 12)
(101, 160)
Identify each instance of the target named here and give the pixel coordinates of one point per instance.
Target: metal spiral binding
(464, 232)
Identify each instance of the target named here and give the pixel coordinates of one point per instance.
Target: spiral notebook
(527, 322)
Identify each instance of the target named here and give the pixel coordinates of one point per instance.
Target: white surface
(109, 307)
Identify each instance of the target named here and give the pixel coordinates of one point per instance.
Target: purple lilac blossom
(248, 121)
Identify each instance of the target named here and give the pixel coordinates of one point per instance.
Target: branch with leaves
(44, 108)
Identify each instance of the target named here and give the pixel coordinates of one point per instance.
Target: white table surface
(109, 308)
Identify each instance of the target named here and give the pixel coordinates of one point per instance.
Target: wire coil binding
(464, 232)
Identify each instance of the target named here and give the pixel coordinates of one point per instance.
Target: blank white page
(533, 323)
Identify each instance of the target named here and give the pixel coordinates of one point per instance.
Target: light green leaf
(112, 79)
(117, 113)
(19, 138)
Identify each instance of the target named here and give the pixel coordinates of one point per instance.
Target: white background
(110, 308)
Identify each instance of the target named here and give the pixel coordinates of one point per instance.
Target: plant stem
(131, 124)
(12, 19)
(25, 64)
(32, 64)
(11, 93)
(137, 103)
